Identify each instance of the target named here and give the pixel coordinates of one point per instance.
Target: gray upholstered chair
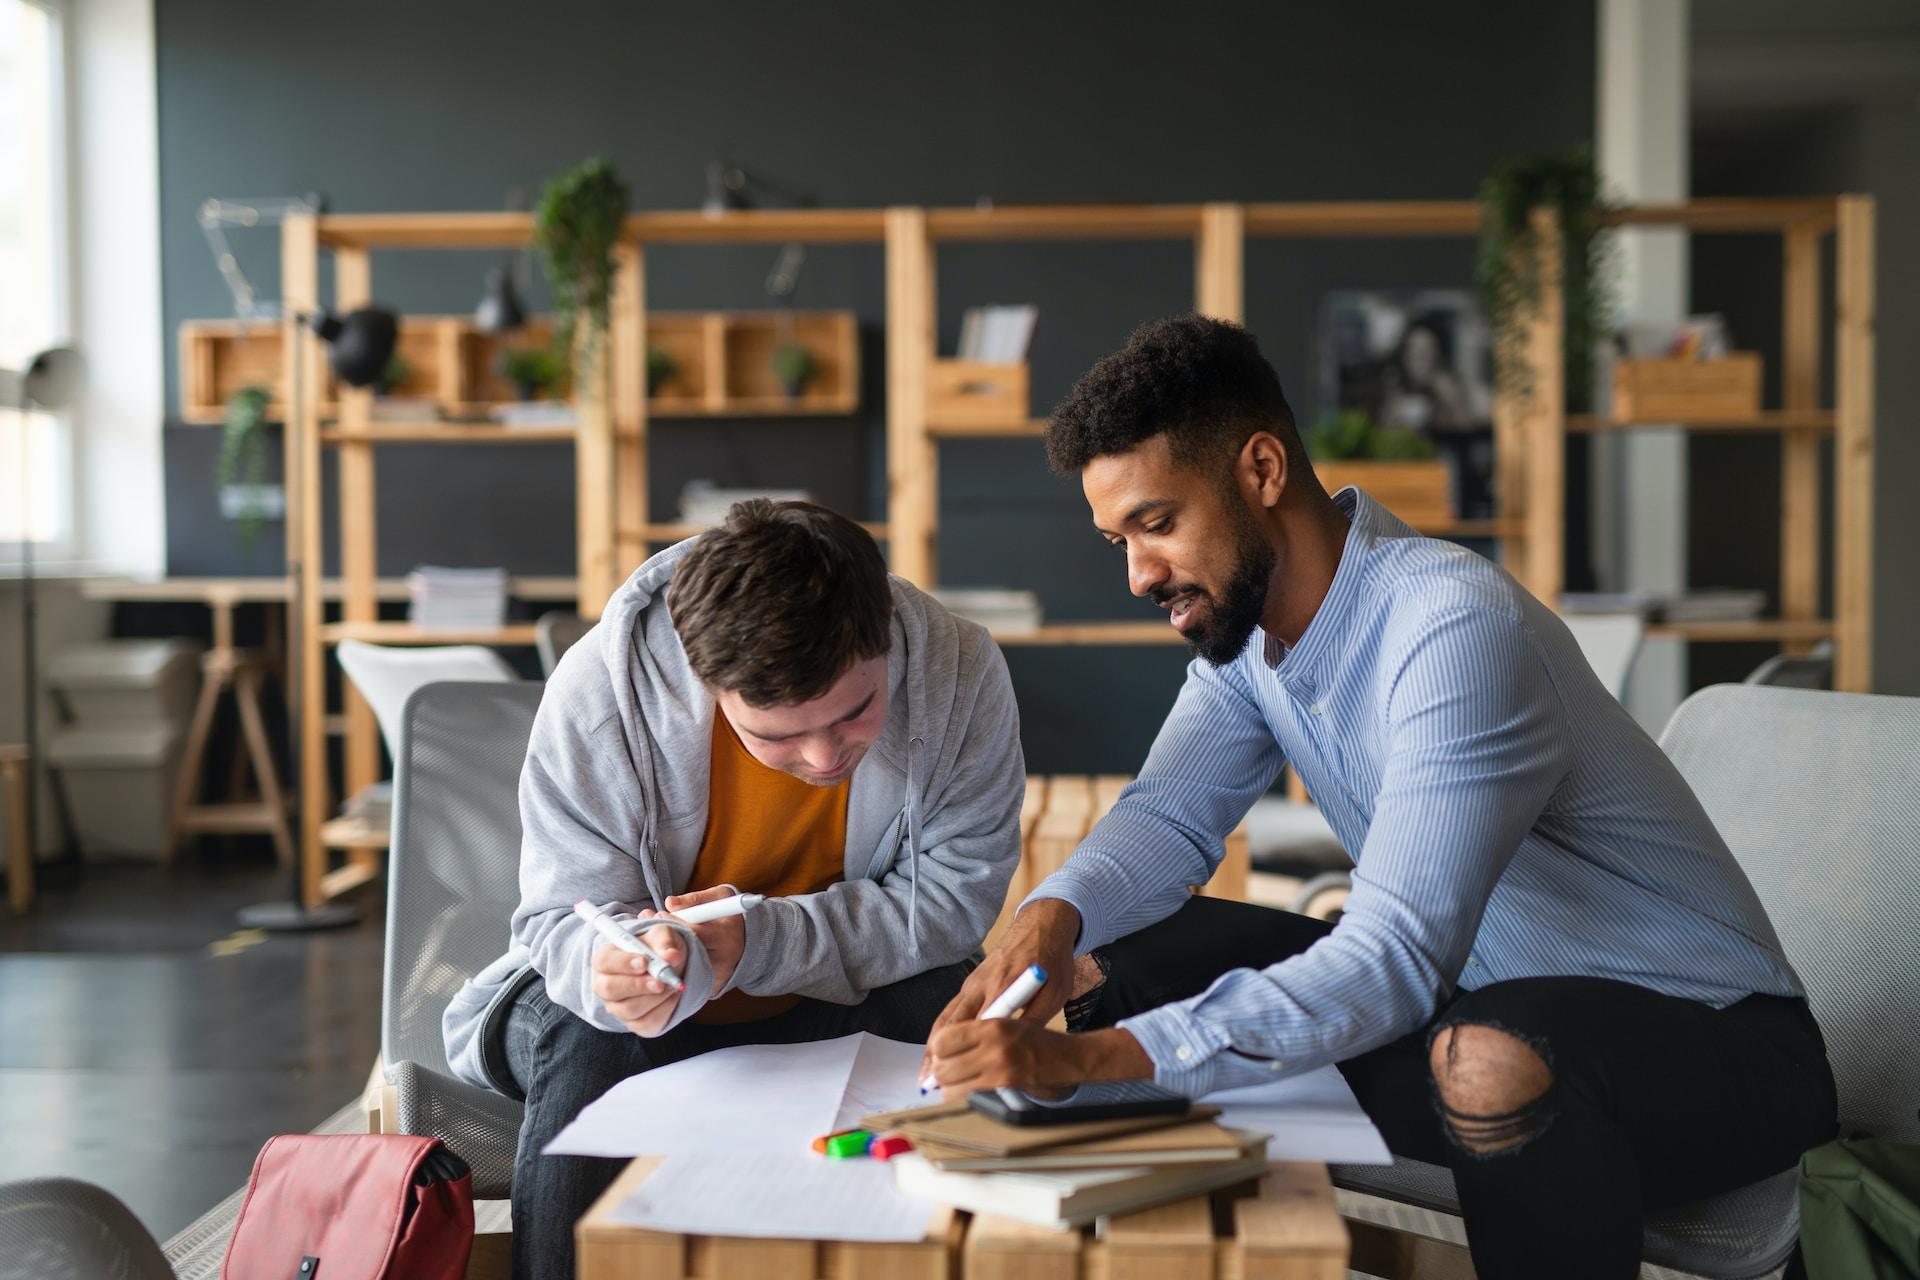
(452, 885)
(1818, 796)
(557, 631)
(64, 1229)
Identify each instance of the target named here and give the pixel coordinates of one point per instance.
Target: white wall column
(114, 238)
(1639, 478)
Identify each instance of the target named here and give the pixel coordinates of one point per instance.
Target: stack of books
(997, 335)
(1067, 1175)
(457, 599)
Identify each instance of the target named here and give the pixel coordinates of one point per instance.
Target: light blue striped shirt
(1510, 819)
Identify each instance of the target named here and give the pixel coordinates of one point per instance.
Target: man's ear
(1263, 468)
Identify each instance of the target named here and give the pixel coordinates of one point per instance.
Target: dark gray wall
(1734, 527)
(445, 106)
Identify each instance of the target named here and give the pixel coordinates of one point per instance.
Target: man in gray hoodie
(764, 710)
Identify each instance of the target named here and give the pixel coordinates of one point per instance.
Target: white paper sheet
(1313, 1116)
(758, 1097)
(776, 1195)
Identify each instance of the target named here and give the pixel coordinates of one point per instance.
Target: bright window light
(35, 494)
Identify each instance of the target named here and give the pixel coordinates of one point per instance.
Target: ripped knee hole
(1492, 1087)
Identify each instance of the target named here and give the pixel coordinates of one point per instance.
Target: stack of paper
(997, 335)
(1075, 1197)
(457, 599)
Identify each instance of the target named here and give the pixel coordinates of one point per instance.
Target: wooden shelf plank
(1066, 222)
(755, 407)
(346, 832)
(514, 633)
(1365, 218)
(274, 590)
(1749, 630)
(1093, 633)
(1766, 420)
(1030, 429)
(449, 433)
(1735, 214)
(757, 226)
(675, 532)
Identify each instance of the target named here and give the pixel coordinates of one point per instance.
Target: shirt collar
(1299, 664)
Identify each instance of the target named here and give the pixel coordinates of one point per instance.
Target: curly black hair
(1199, 380)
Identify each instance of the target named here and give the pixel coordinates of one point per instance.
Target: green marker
(843, 1145)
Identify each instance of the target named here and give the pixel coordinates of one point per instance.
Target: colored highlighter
(820, 1143)
(888, 1148)
(843, 1146)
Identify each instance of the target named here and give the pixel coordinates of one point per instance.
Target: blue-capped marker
(1011, 1001)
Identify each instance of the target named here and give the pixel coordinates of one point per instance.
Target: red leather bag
(354, 1206)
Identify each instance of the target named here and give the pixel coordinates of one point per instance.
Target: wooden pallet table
(1285, 1227)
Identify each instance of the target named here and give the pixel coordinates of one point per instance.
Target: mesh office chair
(557, 631)
(453, 880)
(64, 1229)
(1818, 796)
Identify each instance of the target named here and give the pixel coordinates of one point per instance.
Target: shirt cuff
(1063, 887)
(1185, 1050)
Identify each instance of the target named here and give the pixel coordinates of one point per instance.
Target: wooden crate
(1285, 1227)
(219, 357)
(1420, 493)
(966, 394)
(1723, 390)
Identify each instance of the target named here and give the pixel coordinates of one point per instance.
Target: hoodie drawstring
(913, 843)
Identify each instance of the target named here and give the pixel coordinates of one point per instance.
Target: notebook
(1196, 1142)
(1073, 1198)
(958, 1126)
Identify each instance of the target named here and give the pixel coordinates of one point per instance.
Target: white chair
(387, 675)
(1610, 642)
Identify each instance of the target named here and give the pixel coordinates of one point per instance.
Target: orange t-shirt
(767, 832)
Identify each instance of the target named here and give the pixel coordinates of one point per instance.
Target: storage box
(119, 783)
(963, 394)
(122, 681)
(1722, 390)
(1420, 493)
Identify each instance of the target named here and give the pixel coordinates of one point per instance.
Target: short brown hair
(780, 600)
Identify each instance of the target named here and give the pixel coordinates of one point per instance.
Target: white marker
(609, 929)
(720, 908)
(1011, 1001)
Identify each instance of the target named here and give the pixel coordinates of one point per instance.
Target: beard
(1222, 633)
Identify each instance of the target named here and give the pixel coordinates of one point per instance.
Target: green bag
(1860, 1211)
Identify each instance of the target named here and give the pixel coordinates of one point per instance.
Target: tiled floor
(145, 1048)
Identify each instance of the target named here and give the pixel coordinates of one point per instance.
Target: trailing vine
(243, 453)
(576, 227)
(1507, 265)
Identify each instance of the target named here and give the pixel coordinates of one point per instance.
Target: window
(36, 496)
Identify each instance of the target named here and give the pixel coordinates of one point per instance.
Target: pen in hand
(1011, 1001)
(606, 927)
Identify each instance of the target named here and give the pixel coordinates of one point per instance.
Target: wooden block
(1290, 1229)
(928, 1259)
(741, 1258)
(1418, 492)
(1170, 1242)
(1032, 806)
(1000, 1249)
(1106, 790)
(606, 1250)
(1230, 877)
(966, 393)
(492, 1256)
(1684, 390)
(1070, 793)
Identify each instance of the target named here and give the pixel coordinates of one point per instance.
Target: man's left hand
(1014, 1052)
(724, 939)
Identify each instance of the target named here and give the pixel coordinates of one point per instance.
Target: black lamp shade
(359, 344)
(499, 310)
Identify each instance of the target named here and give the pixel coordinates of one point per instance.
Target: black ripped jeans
(1654, 1101)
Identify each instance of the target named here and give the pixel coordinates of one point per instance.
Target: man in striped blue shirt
(1551, 976)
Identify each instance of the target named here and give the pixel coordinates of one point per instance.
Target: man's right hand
(642, 1004)
(1044, 933)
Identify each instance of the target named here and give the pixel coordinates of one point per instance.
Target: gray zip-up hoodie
(613, 807)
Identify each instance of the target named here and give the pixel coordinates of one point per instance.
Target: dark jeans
(562, 1063)
(1654, 1101)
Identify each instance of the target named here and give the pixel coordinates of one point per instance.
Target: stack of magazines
(457, 599)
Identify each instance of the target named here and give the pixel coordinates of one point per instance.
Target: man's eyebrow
(1139, 511)
(854, 714)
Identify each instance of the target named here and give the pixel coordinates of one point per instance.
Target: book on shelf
(404, 409)
(1710, 605)
(997, 335)
(1061, 1198)
(443, 599)
(525, 415)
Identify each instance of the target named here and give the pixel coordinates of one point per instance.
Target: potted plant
(531, 371)
(576, 228)
(662, 368)
(793, 368)
(242, 460)
(397, 374)
(1395, 465)
(1508, 266)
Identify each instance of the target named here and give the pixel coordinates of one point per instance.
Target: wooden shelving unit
(722, 363)
(723, 358)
